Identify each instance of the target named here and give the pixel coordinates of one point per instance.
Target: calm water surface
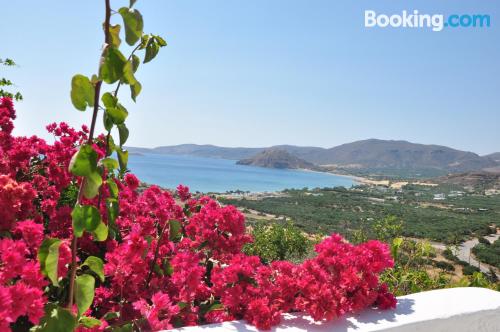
(220, 175)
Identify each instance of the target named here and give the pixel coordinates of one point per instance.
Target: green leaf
(168, 268)
(5, 82)
(82, 92)
(207, 307)
(396, 244)
(89, 322)
(113, 187)
(56, 319)
(123, 133)
(111, 315)
(132, 20)
(157, 269)
(111, 145)
(175, 230)
(48, 256)
(109, 100)
(135, 90)
(152, 49)
(128, 73)
(110, 163)
(122, 159)
(135, 62)
(129, 78)
(215, 306)
(84, 292)
(117, 114)
(101, 232)
(92, 184)
(160, 41)
(108, 123)
(85, 217)
(113, 209)
(96, 265)
(111, 69)
(124, 328)
(114, 32)
(84, 161)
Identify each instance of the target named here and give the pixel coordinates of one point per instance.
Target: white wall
(447, 310)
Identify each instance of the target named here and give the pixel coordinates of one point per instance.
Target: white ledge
(453, 309)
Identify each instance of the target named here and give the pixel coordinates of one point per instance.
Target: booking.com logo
(436, 22)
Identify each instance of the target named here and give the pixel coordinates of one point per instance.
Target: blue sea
(221, 175)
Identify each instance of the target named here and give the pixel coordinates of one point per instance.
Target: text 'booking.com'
(435, 22)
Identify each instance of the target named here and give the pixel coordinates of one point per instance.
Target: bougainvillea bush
(83, 248)
(172, 260)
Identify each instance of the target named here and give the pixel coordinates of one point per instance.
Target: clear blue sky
(266, 72)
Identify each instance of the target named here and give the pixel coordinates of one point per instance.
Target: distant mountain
(213, 151)
(374, 153)
(372, 156)
(495, 156)
(277, 158)
(207, 151)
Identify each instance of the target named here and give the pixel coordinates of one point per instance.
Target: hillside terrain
(495, 156)
(454, 217)
(277, 158)
(476, 180)
(375, 153)
(366, 157)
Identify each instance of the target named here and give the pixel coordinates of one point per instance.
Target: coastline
(352, 177)
(356, 178)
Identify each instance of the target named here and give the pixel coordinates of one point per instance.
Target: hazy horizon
(298, 145)
(264, 73)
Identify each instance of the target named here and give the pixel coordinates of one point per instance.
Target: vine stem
(128, 59)
(97, 94)
(115, 94)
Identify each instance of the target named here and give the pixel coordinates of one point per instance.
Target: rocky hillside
(276, 158)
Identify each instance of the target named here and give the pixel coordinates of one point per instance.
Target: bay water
(221, 175)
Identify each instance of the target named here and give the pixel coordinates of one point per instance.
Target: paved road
(464, 252)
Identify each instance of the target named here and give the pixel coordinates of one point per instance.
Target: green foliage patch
(488, 253)
(348, 211)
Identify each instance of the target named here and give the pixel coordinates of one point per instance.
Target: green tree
(387, 229)
(278, 241)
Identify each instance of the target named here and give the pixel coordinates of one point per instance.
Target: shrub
(445, 266)
(469, 269)
(484, 241)
(278, 241)
(165, 265)
(448, 254)
(388, 228)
